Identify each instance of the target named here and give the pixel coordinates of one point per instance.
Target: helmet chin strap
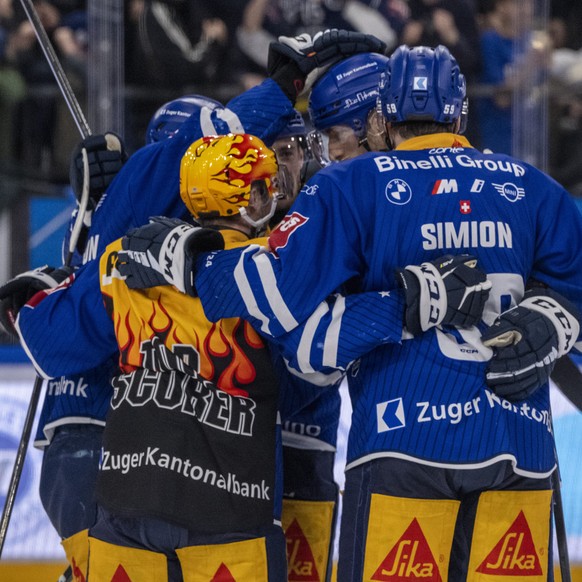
(260, 222)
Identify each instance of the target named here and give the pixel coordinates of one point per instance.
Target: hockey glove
(18, 291)
(163, 252)
(527, 340)
(447, 291)
(292, 59)
(105, 156)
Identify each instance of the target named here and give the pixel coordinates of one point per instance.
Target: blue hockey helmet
(347, 92)
(423, 84)
(168, 118)
(295, 127)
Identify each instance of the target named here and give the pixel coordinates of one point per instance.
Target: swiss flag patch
(280, 236)
(465, 206)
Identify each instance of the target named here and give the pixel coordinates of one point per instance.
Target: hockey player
(293, 152)
(342, 109)
(187, 480)
(450, 451)
(74, 407)
(57, 335)
(309, 405)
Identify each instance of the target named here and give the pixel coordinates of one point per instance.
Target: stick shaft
(57, 69)
(19, 462)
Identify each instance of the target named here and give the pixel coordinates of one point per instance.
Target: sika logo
(514, 554)
(223, 574)
(301, 563)
(410, 559)
(120, 575)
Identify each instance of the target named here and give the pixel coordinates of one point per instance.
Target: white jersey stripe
(246, 291)
(333, 332)
(276, 302)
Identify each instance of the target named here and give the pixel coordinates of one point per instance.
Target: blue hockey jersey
(69, 332)
(425, 398)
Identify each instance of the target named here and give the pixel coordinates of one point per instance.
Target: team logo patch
(280, 236)
(514, 554)
(419, 83)
(465, 206)
(398, 192)
(410, 559)
(510, 191)
(390, 415)
(445, 187)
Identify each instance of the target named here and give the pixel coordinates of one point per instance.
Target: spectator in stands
(510, 59)
(264, 20)
(173, 43)
(452, 23)
(12, 85)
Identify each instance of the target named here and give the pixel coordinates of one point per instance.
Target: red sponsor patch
(280, 236)
(300, 560)
(465, 206)
(410, 559)
(514, 554)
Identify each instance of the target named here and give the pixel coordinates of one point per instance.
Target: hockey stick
(561, 536)
(83, 127)
(567, 377)
(57, 69)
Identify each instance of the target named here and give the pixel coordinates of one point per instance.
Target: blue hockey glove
(527, 340)
(163, 252)
(105, 156)
(15, 293)
(292, 59)
(448, 291)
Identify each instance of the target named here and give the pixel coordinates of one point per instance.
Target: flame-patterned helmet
(217, 172)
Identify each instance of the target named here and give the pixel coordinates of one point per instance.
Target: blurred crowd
(219, 48)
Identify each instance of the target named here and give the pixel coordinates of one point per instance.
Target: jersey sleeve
(342, 329)
(314, 251)
(558, 261)
(69, 331)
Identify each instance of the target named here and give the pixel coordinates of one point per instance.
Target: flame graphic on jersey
(409, 559)
(221, 347)
(514, 554)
